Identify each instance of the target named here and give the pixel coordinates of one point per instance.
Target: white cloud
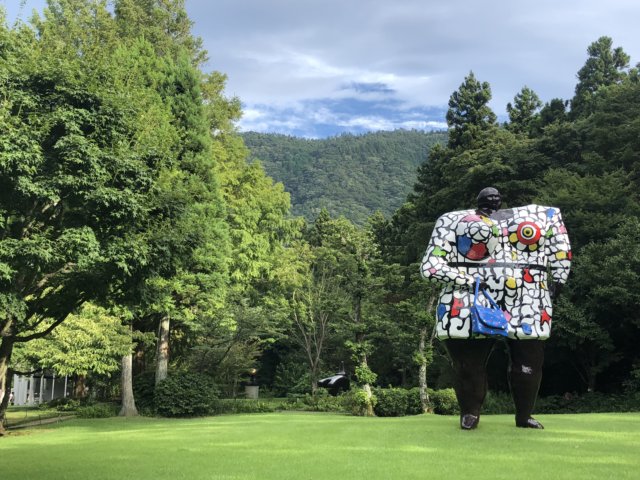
(283, 55)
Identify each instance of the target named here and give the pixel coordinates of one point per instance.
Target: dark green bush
(444, 402)
(594, 402)
(185, 395)
(143, 387)
(98, 410)
(498, 403)
(392, 402)
(414, 406)
(243, 405)
(321, 402)
(64, 404)
(356, 401)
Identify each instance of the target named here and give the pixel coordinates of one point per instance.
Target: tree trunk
(425, 402)
(139, 359)
(591, 379)
(162, 364)
(422, 372)
(128, 401)
(80, 387)
(369, 409)
(6, 349)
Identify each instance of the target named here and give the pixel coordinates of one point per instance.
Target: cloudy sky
(318, 68)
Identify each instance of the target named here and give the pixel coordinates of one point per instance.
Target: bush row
(192, 394)
(397, 402)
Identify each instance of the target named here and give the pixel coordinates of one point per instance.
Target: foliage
(349, 175)
(65, 404)
(360, 402)
(89, 341)
(589, 403)
(185, 395)
(320, 402)
(392, 402)
(143, 389)
(98, 410)
(499, 403)
(469, 115)
(239, 406)
(444, 402)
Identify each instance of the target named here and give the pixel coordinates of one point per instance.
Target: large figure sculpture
(522, 257)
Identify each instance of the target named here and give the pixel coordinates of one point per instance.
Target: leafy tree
(356, 262)
(77, 165)
(91, 341)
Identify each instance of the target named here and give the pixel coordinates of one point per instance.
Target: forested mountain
(350, 175)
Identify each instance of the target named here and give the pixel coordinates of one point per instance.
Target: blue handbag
(490, 320)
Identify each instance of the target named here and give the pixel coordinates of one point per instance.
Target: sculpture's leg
(525, 374)
(469, 360)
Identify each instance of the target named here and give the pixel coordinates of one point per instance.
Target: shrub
(65, 404)
(99, 410)
(498, 403)
(594, 402)
(321, 402)
(243, 405)
(185, 395)
(357, 401)
(392, 402)
(143, 388)
(414, 406)
(444, 402)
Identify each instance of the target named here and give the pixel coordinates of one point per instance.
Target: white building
(39, 388)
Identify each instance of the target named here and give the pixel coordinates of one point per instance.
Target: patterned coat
(514, 250)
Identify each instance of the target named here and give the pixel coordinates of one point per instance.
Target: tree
(77, 164)
(522, 112)
(356, 262)
(91, 341)
(469, 115)
(605, 66)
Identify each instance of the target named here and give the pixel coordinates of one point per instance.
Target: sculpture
(511, 251)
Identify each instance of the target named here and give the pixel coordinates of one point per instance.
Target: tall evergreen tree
(469, 114)
(523, 110)
(605, 66)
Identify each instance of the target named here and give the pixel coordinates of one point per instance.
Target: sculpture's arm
(435, 264)
(558, 248)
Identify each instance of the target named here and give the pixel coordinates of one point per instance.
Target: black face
(492, 202)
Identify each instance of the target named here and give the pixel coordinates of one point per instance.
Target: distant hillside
(350, 175)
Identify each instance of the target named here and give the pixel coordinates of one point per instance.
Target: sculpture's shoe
(530, 423)
(469, 421)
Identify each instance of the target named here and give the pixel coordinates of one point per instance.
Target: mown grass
(325, 446)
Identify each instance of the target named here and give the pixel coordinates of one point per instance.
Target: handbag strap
(485, 293)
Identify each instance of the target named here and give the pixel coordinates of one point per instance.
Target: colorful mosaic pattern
(516, 251)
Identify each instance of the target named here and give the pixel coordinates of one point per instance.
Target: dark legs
(469, 360)
(525, 374)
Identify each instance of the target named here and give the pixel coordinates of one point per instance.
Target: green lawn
(23, 415)
(318, 446)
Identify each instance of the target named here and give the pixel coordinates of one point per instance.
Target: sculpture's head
(489, 199)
